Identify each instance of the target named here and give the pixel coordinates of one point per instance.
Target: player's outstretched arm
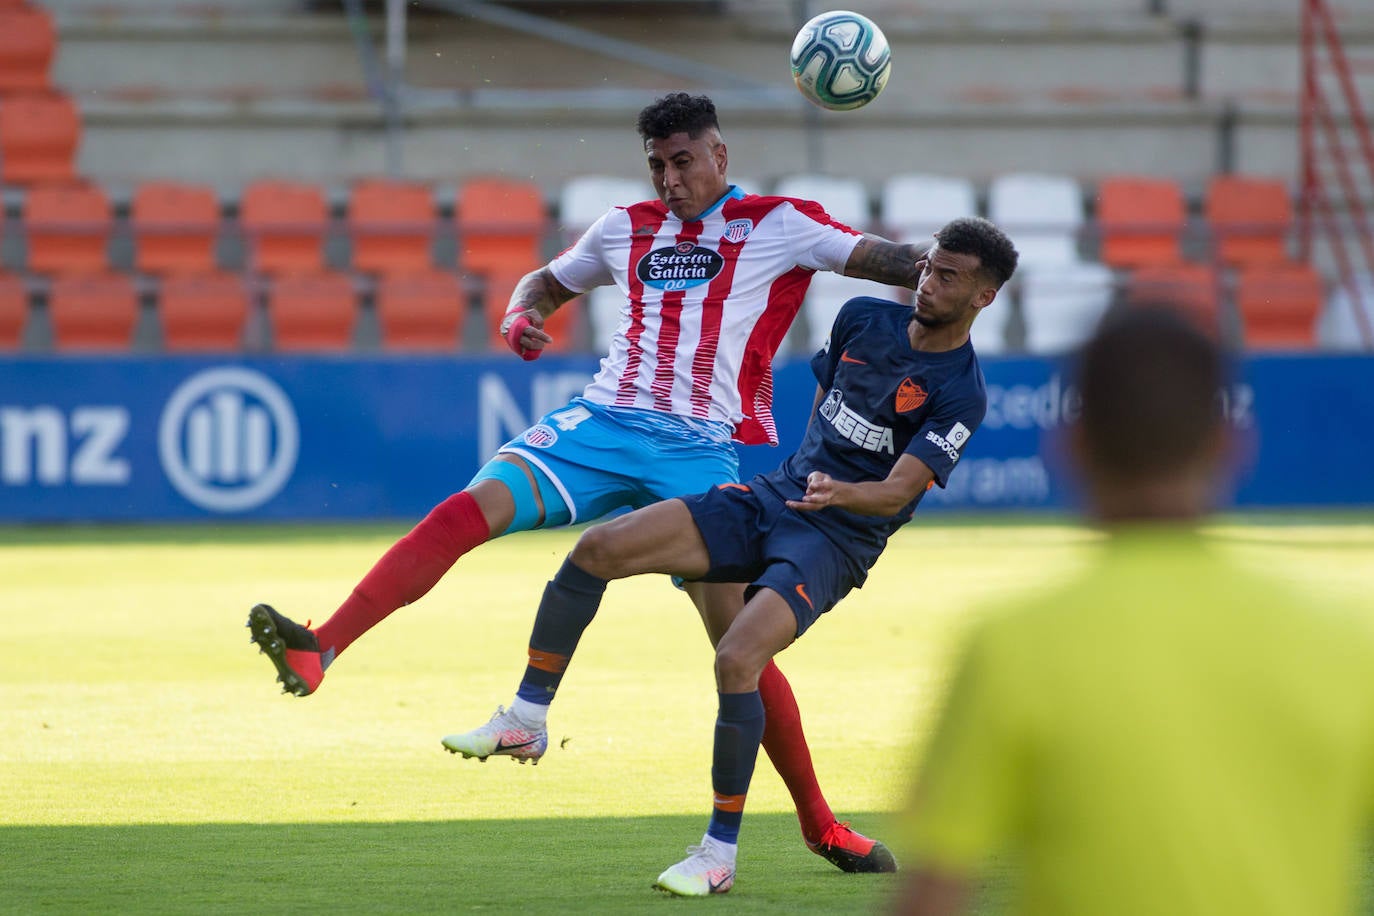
(893, 263)
(537, 296)
(908, 477)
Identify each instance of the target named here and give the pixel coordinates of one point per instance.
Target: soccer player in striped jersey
(900, 393)
(712, 279)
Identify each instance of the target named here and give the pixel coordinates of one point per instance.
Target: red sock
(408, 570)
(785, 743)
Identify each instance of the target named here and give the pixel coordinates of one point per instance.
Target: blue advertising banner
(137, 438)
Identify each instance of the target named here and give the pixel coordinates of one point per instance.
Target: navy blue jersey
(881, 400)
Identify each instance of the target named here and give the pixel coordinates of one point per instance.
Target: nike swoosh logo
(846, 358)
(502, 746)
(801, 590)
(716, 885)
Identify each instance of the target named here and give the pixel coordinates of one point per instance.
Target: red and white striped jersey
(707, 302)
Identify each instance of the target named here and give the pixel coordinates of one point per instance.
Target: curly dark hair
(982, 239)
(677, 112)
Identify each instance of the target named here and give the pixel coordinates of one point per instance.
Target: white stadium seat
(1061, 305)
(845, 199)
(586, 197)
(1041, 213)
(1339, 327)
(914, 205)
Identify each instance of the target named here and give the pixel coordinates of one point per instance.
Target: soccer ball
(840, 60)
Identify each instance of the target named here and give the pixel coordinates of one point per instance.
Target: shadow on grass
(556, 865)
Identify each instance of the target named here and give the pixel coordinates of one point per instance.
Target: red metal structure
(1337, 161)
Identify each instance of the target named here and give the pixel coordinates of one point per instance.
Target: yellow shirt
(1168, 735)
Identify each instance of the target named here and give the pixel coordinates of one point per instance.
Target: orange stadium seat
(1140, 220)
(1249, 218)
(391, 225)
(1279, 305)
(68, 228)
(174, 227)
(284, 223)
(14, 310)
(421, 311)
(501, 226)
(27, 41)
(1191, 288)
(203, 311)
(312, 311)
(93, 311)
(38, 138)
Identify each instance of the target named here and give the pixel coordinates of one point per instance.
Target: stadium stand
(39, 133)
(1193, 288)
(96, 311)
(1140, 220)
(1060, 306)
(312, 312)
(203, 311)
(914, 205)
(420, 311)
(68, 228)
(391, 225)
(27, 42)
(1249, 218)
(14, 311)
(175, 227)
(1278, 305)
(284, 225)
(1043, 215)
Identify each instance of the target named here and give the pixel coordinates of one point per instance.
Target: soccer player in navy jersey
(900, 393)
(712, 278)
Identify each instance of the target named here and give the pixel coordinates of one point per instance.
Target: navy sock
(570, 602)
(739, 729)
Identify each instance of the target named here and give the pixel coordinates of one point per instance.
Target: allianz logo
(228, 440)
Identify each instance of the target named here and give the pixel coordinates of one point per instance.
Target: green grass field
(148, 763)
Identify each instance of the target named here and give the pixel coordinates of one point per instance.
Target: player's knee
(598, 552)
(737, 666)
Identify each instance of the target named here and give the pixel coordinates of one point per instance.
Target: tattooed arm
(876, 258)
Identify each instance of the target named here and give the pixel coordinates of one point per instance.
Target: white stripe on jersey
(706, 302)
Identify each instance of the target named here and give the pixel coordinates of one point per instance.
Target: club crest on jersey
(909, 396)
(540, 436)
(737, 230)
(679, 266)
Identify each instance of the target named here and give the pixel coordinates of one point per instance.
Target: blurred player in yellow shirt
(1169, 734)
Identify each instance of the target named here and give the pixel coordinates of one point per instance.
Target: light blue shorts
(590, 460)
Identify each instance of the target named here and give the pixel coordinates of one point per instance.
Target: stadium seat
(312, 311)
(1347, 319)
(201, 312)
(38, 137)
(845, 199)
(284, 224)
(562, 325)
(990, 329)
(501, 225)
(1192, 288)
(93, 311)
(1042, 214)
(14, 310)
(1061, 305)
(829, 291)
(27, 41)
(1278, 305)
(585, 198)
(915, 205)
(174, 227)
(421, 311)
(391, 225)
(1249, 219)
(68, 228)
(1141, 221)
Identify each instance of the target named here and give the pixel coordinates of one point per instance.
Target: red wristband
(517, 328)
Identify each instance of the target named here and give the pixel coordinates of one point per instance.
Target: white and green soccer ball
(841, 60)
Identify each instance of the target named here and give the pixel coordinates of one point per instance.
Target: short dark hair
(677, 112)
(1150, 380)
(981, 238)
